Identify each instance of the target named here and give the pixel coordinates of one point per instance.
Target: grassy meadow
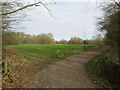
(47, 50)
(45, 53)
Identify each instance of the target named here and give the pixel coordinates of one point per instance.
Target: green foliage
(45, 38)
(104, 70)
(10, 38)
(97, 40)
(110, 25)
(85, 42)
(13, 38)
(75, 40)
(63, 41)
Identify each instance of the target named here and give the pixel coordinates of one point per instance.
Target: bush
(105, 70)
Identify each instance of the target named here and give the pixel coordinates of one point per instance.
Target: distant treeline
(14, 38)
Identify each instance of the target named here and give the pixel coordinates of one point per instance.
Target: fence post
(5, 66)
(57, 53)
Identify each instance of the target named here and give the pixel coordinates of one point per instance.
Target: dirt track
(68, 73)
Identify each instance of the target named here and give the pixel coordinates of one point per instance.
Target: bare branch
(21, 8)
(24, 7)
(47, 8)
(117, 4)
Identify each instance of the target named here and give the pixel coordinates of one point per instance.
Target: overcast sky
(69, 19)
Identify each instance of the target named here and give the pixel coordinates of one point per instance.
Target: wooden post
(84, 45)
(58, 53)
(5, 66)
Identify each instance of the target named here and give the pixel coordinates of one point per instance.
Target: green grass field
(47, 50)
(17, 55)
(48, 53)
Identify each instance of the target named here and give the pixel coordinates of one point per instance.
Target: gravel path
(68, 73)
